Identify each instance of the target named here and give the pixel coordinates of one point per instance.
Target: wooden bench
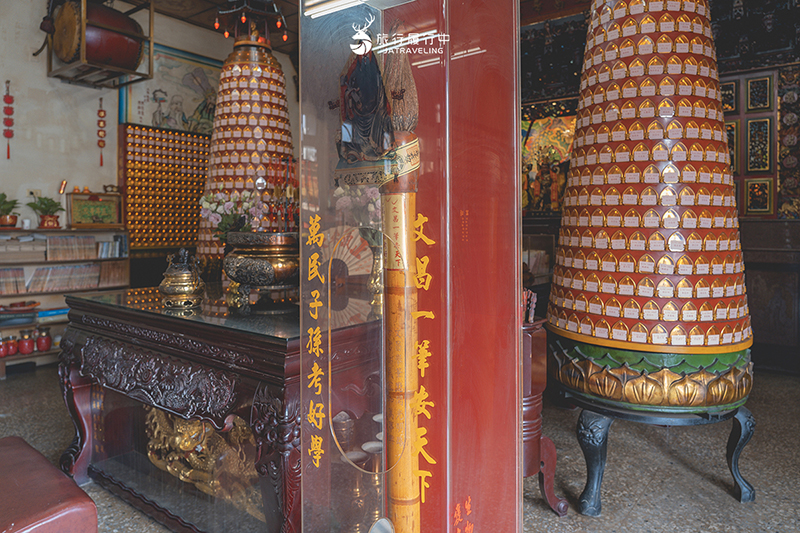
(37, 497)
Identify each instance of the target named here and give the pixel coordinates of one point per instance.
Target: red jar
(26, 343)
(44, 341)
(11, 345)
(3, 348)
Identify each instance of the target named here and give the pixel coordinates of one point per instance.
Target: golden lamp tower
(648, 308)
(251, 143)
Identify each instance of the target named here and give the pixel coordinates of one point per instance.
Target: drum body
(103, 46)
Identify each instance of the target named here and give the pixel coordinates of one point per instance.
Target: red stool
(539, 451)
(37, 497)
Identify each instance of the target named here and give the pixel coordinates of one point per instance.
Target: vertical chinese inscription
(462, 517)
(315, 373)
(422, 407)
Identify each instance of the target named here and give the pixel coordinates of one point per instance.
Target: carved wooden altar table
(208, 375)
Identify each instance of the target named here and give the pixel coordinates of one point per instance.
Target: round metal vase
(263, 261)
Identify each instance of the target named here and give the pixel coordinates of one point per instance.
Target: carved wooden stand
(539, 451)
(195, 371)
(595, 421)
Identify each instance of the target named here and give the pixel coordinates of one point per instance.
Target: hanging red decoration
(8, 122)
(101, 130)
(216, 23)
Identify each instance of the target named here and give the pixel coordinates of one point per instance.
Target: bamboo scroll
(398, 206)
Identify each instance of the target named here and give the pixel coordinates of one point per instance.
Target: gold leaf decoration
(644, 390)
(662, 388)
(606, 385)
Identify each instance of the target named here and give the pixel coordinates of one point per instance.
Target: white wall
(55, 123)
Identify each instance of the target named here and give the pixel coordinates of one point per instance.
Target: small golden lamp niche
(648, 309)
(181, 288)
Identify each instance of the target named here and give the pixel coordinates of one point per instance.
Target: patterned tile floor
(657, 479)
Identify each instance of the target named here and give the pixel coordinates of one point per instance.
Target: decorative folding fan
(346, 254)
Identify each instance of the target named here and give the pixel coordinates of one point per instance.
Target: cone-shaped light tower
(251, 144)
(648, 307)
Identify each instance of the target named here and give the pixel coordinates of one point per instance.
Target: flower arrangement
(231, 211)
(362, 202)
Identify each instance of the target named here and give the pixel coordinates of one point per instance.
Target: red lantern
(101, 132)
(8, 122)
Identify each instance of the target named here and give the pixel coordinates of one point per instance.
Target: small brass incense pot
(182, 287)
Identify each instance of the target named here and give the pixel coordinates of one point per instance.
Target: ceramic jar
(11, 345)
(26, 343)
(44, 341)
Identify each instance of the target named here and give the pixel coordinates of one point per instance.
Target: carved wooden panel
(182, 388)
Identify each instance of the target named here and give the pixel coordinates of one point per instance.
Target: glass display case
(193, 415)
(410, 212)
(204, 476)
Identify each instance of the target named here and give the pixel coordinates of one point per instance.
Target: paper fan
(345, 255)
(346, 244)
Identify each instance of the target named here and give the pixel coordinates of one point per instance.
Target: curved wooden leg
(593, 438)
(743, 425)
(76, 391)
(547, 473)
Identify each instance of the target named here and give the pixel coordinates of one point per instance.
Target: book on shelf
(114, 274)
(64, 278)
(46, 316)
(122, 244)
(22, 249)
(12, 280)
(109, 249)
(71, 247)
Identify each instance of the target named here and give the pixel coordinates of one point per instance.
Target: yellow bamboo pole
(398, 209)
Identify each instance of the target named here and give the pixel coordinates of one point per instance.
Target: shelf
(21, 357)
(63, 230)
(93, 289)
(36, 324)
(59, 262)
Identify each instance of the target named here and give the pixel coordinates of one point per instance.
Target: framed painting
(759, 94)
(759, 145)
(181, 96)
(758, 196)
(732, 131)
(729, 92)
(94, 210)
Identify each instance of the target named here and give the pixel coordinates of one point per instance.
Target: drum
(103, 47)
